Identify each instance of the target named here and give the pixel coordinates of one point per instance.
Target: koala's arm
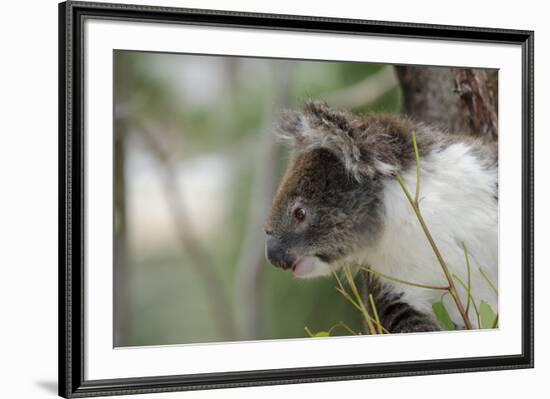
(395, 315)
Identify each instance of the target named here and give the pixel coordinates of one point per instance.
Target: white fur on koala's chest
(457, 201)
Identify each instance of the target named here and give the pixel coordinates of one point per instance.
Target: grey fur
(336, 174)
(341, 212)
(368, 145)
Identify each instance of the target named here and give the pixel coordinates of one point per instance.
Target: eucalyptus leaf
(487, 315)
(443, 316)
(319, 334)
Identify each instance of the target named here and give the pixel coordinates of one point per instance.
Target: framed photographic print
(251, 199)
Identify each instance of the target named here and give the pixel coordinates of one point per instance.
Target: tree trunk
(459, 100)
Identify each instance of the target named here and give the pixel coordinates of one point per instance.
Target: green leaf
(487, 315)
(442, 315)
(319, 334)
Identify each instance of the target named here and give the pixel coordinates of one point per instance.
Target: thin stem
(349, 298)
(469, 273)
(373, 307)
(309, 331)
(345, 294)
(495, 323)
(344, 326)
(452, 288)
(417, 157)
(470, 297)
(486, 277)
(358, 307)
(397, 280)
(349, 277)
(343, 291)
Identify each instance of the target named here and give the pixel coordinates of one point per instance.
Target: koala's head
(328, 204)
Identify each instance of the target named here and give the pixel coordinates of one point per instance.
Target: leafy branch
(470, 298)
(415, 204)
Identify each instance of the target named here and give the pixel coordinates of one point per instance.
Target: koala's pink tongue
(304, 267)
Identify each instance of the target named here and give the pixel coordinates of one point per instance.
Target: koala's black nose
(276, 255)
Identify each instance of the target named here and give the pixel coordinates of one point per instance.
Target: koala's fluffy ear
(320, 126)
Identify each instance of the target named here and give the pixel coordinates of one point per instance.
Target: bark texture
(459, 100)
(477, 102)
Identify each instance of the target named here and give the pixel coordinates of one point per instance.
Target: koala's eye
(300, 214)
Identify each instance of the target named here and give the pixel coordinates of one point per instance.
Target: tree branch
(365, 91)
(216, 292)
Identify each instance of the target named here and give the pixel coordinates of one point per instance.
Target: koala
(339, 203)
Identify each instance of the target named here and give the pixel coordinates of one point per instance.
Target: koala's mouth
(310, 266)
(303, 266)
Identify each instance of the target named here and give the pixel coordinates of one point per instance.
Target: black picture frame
(71, 199)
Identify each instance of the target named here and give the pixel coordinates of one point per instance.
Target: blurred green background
(196, 165)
